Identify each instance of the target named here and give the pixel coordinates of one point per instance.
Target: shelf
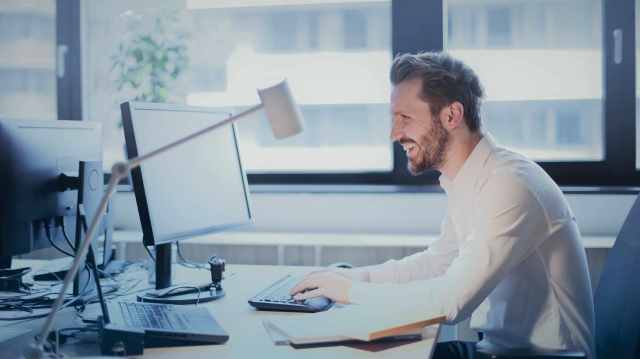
(329, 239)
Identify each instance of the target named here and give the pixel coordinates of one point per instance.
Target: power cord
(187, 263)
(64, 233)
(149, 253)
(48, 234)
(37, 299)
(42, 299)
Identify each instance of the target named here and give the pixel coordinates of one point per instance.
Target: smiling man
(509, 254)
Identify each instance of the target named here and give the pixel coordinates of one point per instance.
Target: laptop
(162, 324)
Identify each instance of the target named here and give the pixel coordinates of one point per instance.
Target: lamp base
(184, 299)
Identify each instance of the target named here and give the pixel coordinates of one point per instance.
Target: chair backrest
(617, 298)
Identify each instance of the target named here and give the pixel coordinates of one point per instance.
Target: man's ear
(453, 115)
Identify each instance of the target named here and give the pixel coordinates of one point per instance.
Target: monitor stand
(165, 293)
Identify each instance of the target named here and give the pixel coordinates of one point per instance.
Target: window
(204, 54)
(313, 31)
(498, 26)
(355, 29)
(532, 60)
(282, 31)
(553, 89)
(27, 60)
(569, 130)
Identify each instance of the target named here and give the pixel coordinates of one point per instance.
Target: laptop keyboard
(157, 316)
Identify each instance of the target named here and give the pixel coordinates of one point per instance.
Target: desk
(248, 339)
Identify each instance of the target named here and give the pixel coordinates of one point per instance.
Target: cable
(40, 301)
(17, 274)
(66, 236)
(76, 330)
(186, 263)
(48, 233)
(130, 280)
(41, 315)
(73, 331)
(149, 253)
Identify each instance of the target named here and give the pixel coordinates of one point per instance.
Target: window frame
(418, 25)
(68, 36)
(618, 166)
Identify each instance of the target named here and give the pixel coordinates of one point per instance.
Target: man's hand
(323, 283)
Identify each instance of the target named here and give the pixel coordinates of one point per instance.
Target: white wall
(406, 213)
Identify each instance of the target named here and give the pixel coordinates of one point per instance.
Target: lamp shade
(281, 110)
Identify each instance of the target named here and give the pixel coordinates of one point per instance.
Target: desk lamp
(285, 120)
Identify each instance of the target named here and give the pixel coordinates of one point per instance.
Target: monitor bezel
(149, 238)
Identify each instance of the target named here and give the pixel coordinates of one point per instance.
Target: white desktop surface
(247, 336)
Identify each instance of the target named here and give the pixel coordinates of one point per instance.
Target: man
(509, 255)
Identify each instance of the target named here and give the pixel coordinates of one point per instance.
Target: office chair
(617, 302)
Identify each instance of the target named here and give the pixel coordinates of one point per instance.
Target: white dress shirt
(509, 256)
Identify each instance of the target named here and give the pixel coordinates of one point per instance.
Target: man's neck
(460, 148)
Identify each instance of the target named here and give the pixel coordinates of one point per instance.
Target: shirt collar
(470, 167)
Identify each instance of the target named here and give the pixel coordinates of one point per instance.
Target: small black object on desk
(216, 266)
(344, 265)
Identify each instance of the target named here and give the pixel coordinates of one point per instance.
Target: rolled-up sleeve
(508, 225)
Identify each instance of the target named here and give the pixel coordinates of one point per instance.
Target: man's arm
(427, 264)
(509, 225)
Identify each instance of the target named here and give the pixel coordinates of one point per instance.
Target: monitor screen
(196, 188)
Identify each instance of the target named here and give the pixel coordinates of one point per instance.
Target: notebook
(343, 323)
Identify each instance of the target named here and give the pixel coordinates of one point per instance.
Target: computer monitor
(33, 156)
(197, 188)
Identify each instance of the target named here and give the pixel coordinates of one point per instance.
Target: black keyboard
(276, 297)
(147, 315)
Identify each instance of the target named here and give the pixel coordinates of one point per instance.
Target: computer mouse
(318, 304)
(341, 265)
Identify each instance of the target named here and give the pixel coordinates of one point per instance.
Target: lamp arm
(119, 171)
(135, 162)
(36, 349)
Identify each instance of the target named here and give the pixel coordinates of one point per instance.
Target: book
(350, 322)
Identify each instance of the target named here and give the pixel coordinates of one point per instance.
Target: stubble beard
(432, 148)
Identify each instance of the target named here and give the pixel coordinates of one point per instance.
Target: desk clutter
(122, 327)
(229, 327)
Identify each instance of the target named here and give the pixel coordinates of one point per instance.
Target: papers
(277, 336)
(349, 322)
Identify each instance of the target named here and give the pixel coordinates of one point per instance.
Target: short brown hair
(444, 81)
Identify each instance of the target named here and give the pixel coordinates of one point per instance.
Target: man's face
(421, 134)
